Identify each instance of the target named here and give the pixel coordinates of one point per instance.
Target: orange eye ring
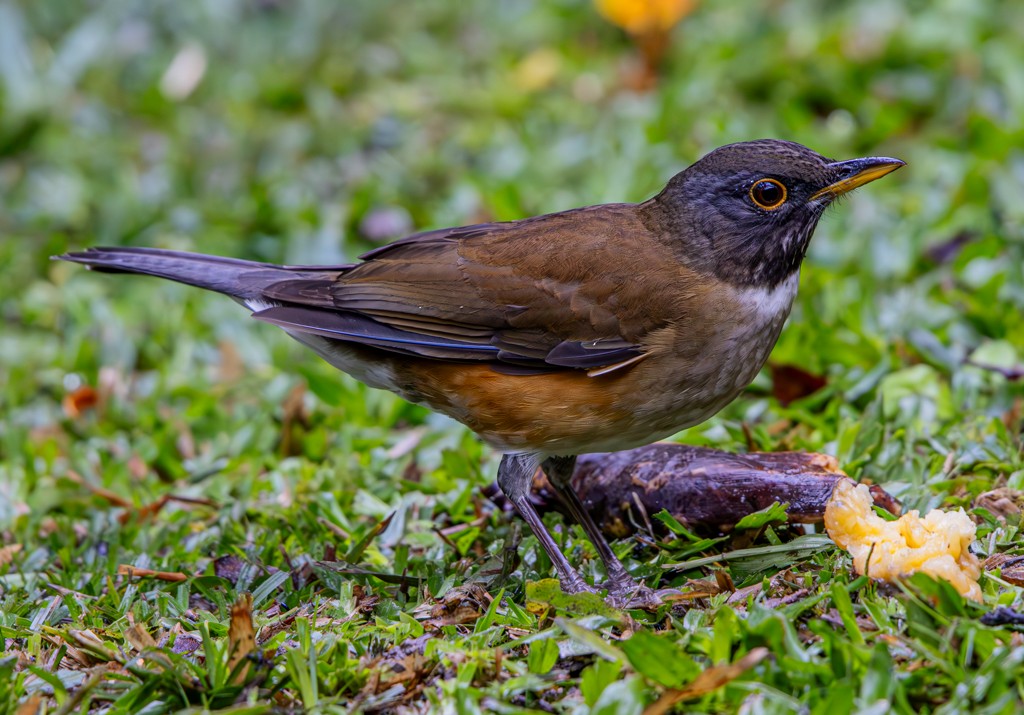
(768, 194)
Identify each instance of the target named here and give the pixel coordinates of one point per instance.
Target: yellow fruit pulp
(936, 545)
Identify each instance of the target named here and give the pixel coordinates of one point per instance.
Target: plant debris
(700, 487)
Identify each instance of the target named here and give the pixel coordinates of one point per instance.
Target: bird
(595, 329)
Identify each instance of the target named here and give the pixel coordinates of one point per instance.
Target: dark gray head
(746, 212)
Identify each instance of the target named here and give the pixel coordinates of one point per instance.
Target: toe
(637, 596)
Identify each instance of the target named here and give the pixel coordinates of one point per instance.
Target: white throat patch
(771, 304)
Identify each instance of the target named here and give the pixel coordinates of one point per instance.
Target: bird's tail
(242, 280)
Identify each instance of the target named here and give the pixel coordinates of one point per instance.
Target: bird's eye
(768, 194)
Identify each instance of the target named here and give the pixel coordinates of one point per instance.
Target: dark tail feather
(234, 277)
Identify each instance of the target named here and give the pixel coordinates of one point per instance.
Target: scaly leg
(622, 588)
(515, 475)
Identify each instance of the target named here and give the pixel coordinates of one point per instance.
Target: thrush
(595, 329)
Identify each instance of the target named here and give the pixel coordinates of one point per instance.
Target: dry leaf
(700, 588)
(460, 605)
(1001, 502)
(1011, 568)
(134, 572)
(137, 467)
(229, 567)
(241, 636)
(406, 443)
(232, 368)
(404, 664)
(186, 643)
(185, 442)
(112, 497)
(31, 706)
(293, 417)
(80, 400)
(92, 647)
(7, 553)
(143, 512)
(74, 658)
(740, 597)
(711, 679)
(1011, 418)
(791, 383)
(139, 637)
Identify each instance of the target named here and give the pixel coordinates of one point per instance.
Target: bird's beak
(856, 172)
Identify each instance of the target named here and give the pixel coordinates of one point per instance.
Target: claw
(576, 586)
(633, 594)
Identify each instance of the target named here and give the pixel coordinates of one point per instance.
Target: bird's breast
(700, 364)
(732, 344)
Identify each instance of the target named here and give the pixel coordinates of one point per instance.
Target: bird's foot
(575, 585)
(627, 593)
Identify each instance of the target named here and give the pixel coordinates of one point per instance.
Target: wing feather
(498, 293)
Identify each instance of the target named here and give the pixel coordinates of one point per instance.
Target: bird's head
(746, 212)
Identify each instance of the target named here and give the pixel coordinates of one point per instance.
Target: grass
(380, 578)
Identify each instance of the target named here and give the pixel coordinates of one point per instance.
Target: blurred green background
(308, 131)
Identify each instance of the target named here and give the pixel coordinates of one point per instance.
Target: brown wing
(552, 292)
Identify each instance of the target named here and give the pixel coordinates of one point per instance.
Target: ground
(147, 427)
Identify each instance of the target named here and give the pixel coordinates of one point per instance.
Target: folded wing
(495, 293)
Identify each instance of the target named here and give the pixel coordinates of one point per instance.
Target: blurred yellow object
(936, 545)
(639, 17)
(537, 70)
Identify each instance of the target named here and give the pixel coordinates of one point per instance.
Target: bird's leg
(515, 476)
(559, 471)
(623, 588)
